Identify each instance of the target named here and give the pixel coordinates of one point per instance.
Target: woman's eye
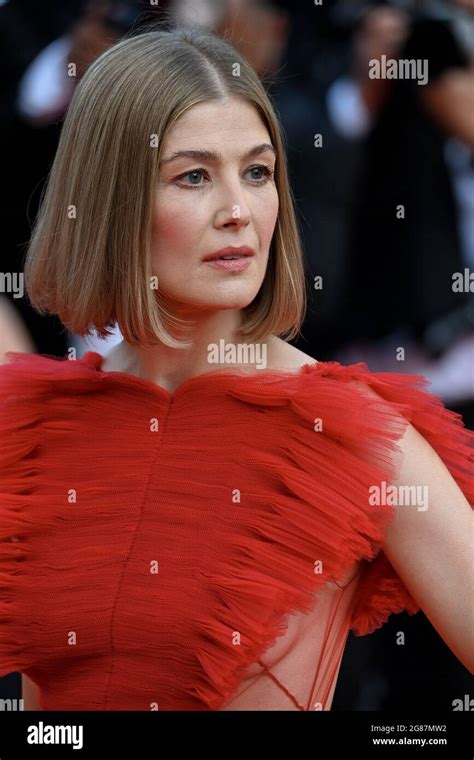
(266, 170)
(193, 173)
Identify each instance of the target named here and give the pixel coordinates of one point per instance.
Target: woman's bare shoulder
(282, 355)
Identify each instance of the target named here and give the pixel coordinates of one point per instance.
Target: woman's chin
(211, 301)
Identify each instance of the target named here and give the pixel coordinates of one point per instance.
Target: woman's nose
(233, 209)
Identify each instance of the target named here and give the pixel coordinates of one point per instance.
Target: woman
(198, 520)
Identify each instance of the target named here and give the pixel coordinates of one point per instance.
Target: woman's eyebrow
(207, 155)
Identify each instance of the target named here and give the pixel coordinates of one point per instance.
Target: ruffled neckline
(96, 360)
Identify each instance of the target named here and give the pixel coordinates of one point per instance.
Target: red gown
(207, 549)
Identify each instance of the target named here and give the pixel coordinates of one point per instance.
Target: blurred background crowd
(382, 171)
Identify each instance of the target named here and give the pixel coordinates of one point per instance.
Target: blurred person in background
(419, 159)
(39, 83)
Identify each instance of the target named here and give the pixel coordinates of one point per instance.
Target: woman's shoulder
(31, 380)
(35, 370)
(283, 356)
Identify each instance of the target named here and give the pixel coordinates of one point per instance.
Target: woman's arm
(14, 335)
(432, 549)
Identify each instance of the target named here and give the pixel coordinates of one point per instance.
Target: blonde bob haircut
(89, 255)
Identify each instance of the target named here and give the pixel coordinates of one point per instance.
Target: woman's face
(205, 204)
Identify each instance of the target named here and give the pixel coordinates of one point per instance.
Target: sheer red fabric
(208, 549)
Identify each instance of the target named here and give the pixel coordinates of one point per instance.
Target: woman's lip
(231, 265)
